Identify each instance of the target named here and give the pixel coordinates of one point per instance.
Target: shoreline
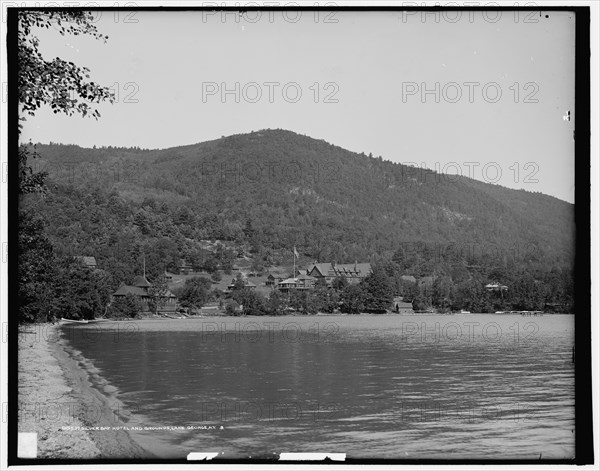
(325, 314)
(59, 401)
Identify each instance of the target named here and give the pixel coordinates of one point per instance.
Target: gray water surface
(396, 387)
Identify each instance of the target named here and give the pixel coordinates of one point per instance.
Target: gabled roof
(364, 268)
(89, 261)
(141, 282)
(351, 268)
(127, 289)
(305, 277)
(288, 281)
(344, 269)
(404, 305)
(322, 268)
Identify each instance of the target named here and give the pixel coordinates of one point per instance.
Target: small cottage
(141, 289)
(402, 307)
(89, 262)
(247, 284)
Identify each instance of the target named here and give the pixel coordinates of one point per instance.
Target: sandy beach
(58, 402)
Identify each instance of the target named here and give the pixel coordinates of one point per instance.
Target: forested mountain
(265, 192)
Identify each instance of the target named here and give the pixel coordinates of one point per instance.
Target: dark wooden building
(352, 272)
(140, 288)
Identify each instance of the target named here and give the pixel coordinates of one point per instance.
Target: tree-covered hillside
(265, 192)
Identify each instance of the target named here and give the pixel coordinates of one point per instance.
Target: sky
(482, 94)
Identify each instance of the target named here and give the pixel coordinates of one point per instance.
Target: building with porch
(140, 288)
(495, 286)
(301, 282)
(247, 284)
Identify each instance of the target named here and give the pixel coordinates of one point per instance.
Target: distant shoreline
(220, 324)
(338, 314)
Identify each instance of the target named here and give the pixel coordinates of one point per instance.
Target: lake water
(396, 387)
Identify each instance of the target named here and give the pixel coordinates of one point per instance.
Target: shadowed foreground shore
(57, 401)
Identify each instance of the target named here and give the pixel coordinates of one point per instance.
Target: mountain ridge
(295, 190)
(139, 153)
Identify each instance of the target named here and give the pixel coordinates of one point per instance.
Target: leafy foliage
(127, 306)
(52, 286)
(57, 83)
(51, 283)
(158, 294)
(35, 270)
(252, 303)
(352, 299)
(194, 293)
(377, 291)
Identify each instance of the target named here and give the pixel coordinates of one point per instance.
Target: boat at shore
(83, 321)
(531, 313)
